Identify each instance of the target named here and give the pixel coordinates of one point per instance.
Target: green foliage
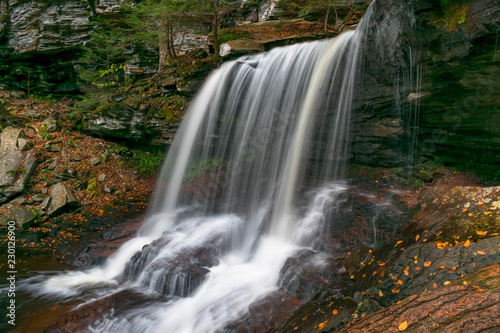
(105, 156)
(228, 35)
(44, 133)
(147, 163)
(92, 188)
(201, 167)
(15, 172)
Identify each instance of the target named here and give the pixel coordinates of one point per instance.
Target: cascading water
(227, 211)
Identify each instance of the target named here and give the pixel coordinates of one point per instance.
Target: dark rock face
(44, 27)
(309, 272)
(266, 314)
(178, 274)
(134, 124)
(79, 320)
(472, 304)
(429, 66)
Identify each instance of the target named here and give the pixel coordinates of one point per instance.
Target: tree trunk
(216, 29)
(171, 39)
(326, 19)
(163, 45)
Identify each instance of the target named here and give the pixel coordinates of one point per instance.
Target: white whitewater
(262, 130)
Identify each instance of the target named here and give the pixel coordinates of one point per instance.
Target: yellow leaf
(380, 293)
(403, 326)
(467, 243)
(481, 252)
(481, 233)
(335, 312)
(487, 213)
(446, 283)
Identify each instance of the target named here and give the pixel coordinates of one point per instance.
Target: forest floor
(111, 182)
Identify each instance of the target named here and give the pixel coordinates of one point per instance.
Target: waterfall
(229, 207)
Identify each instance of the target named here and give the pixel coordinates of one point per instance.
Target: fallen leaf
(495, 234)
(395, 291)
(380, 293)
(403, 326)
(464, 210)
(481, 252)
(335, 312)
(465, 283)
(427, 263)
(417, 238)
(320, 326)
(487, 213)
(481, 233)
(381, 263)
(434, 285)
(417, 268)
(467, 243)
(446, 283)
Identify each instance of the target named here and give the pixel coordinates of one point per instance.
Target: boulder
(23, 216)
(60, 197)
(94, 161)
(50, 124)
(239, 47)
(15, 167)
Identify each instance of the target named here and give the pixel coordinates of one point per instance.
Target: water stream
(229, 207)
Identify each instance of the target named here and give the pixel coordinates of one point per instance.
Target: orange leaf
(467, 243)
(446, 283)
(487, 213)
(335, 312)
(481, 233)
(481, 252)
(381, 263)
(417, 238)
(403, 326)
(417, 268)
(434, 285)
(395, 291)
(427, 263)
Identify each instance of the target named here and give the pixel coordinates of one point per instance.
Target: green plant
(105, 156)
(202, 167)
(44, 133)
(92, 188)
(15, 172)
(147, 163)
